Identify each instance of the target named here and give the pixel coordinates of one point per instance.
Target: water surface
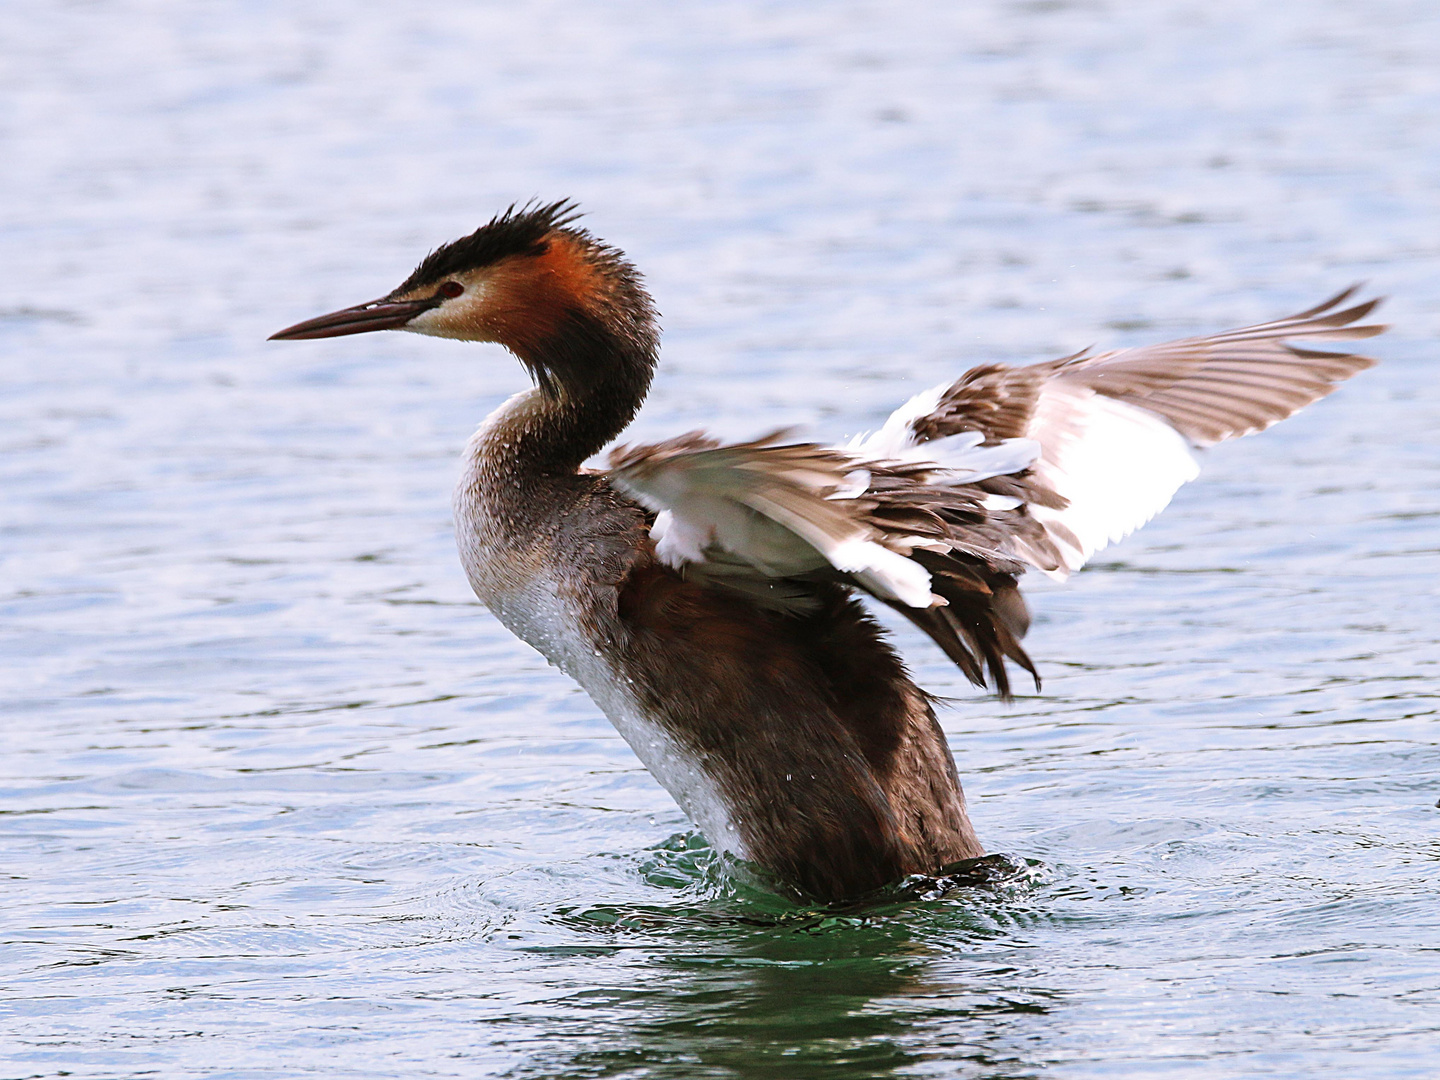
(279, 798)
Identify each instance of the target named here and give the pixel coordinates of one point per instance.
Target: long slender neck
(561, 431)
(591, 385)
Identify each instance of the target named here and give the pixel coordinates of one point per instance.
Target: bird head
(556, 297)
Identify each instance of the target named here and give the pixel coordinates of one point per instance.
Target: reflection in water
(748, 986)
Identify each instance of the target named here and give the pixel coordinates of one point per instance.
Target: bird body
(547, 556)
(704, 595)
(795, 742)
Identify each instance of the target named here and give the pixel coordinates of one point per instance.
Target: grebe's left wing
(1116, 429)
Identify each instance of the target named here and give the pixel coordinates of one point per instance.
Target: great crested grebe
(705, 594)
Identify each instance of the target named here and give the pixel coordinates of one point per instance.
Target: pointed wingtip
(1325, 310)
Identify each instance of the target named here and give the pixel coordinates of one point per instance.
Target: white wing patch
(783, 510)
(966, 461)
(1117, 465)
(886, 573)
(961, 454)
(790, 510)
(897, 434)
(681, 541)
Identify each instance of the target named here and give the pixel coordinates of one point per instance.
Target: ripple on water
(278, 799)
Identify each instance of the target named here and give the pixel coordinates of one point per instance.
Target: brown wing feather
(1209, 388)
(981, 623)
(1233, 383)
(984, 616)
(974, 556)
(993, 399)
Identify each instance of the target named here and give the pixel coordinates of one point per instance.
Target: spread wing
(968, 484)
(1116, 429)
(939, 544)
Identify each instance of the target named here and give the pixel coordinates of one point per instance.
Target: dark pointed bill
(361, 319)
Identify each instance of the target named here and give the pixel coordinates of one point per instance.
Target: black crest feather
(520, 230)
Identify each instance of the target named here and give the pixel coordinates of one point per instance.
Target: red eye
(451, 289)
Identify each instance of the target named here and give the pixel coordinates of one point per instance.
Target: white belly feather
(526, 597)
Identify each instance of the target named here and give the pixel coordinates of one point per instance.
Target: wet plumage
(705, 595)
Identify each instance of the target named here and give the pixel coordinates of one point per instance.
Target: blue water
(280, 799)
